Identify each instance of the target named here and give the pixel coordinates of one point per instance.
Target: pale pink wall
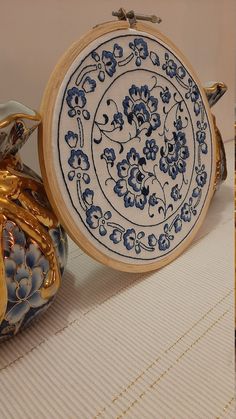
(34, 34)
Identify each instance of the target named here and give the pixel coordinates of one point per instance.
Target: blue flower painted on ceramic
(109, 155)
(165, 95)
(175, 193)
(76, 100)
(186, 212)
(169, 66)
(139, 46)
(109, 64)
(141, 108)
(150, 150)
(131, 183)
(96, 219)
(174, 155)
(201, 179)
(60, 242)
(163, 242)
(25, 273)
(78, 160)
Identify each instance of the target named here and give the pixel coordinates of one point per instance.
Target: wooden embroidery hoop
(46, 142)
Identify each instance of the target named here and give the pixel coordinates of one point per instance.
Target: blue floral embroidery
(109, 154)
(89, 85)
(76, 100)
(134, 172)
(116, 236)
(152, 240)
(78, 160)
(174, 155)
(154, 58)
(186, 212)
(165, 95)
(169, 66)
(163, 242)
(131, 183)
(150, 150)
(139, 46)
(141, 108)
(72, 139)
(175, 193)
(109, 64)
(178, 225)
(96, 219)
(118, 120)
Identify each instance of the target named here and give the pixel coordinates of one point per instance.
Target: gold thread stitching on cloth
(118, 396)
(151, 386)
(226, 407)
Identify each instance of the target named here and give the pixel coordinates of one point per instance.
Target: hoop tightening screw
(132, 17)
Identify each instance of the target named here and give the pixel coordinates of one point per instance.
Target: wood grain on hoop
(46, 141)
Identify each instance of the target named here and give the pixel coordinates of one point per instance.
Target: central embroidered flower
(141, 108)
(131, 183)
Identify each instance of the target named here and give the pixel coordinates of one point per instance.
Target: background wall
(34, 34)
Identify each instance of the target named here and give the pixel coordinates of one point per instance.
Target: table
(142, 346)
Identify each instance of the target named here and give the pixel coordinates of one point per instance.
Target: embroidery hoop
(47, 149)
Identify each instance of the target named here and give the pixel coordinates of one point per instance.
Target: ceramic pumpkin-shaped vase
(34, 246)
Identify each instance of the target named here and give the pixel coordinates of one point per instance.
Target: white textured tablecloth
(150, 346)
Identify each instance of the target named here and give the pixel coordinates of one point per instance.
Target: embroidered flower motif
(132, 240)
(141, 108)
(89, 85)
(201, 137)
(76, 101)
(139, 46)
(72, 139)
(174, 155)
(116, 236)
(154, 58)
(165, 95)
(60, 242)
(201, 179)
(186, 212)
(150, 150)
(178, 225)
(163, 242)
(117, 51)
(25, 272)
(109, 155)
(152, 240)
(131, 183)
(96, 219)
(78, 160)
(178, 124)
(107, 63)
(169, 66)
(175, 193)
(118, 121)
(181, 73)
(88, 195)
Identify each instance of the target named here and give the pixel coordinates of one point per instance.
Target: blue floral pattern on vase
(140, 166)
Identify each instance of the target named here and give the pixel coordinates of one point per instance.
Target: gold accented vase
(33, 244)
